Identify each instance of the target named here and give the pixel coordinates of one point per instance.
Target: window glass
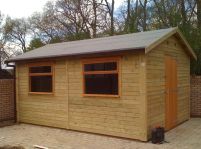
(101, 66)
(41, 83)
(40, 79)
(101, 84)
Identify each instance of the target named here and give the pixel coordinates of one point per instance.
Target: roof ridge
(115, 36)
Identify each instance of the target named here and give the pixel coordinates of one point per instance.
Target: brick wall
(7, 114)
(196, 96)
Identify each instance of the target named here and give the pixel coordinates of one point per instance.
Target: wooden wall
(67, 108)
(155, 61)
(49, 110)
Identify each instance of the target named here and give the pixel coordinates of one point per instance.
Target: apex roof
(135, 41)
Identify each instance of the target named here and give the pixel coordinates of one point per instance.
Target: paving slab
(185, 136)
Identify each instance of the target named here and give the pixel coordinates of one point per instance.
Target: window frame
(101, 60)
(38, 64)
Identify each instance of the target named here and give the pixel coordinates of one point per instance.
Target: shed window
(101, 77)
(41, 79)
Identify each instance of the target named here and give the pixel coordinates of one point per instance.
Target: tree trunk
(112, 18)
(161, 12)
(144, 25)
(136, 15)
(94, 23)
(128, 15)
(111, 13)
(183, 12)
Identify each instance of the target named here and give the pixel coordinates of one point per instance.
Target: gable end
(180, 37)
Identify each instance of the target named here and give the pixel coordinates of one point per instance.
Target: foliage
(15, 31)
(35, 43)
(3, 53)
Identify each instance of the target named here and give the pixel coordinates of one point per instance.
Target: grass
(12, 147)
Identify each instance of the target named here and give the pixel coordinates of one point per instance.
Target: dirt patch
(12, 147)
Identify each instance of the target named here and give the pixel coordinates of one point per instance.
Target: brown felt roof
(135, 41)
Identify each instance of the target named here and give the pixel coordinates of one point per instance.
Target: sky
(25, 8)
(21, 8)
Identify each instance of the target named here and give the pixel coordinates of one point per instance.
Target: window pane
(101, 84)
(41, 83)
(100, 66)
(40, 69)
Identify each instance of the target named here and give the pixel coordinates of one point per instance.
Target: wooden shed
(120, 86)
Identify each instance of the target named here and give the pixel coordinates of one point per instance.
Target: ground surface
(185, 136)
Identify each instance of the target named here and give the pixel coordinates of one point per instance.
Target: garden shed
(120, 86)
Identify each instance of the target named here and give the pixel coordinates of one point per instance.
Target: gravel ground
(185, 136)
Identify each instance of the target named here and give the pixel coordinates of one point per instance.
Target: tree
(1, 42)
(94, 22)
(15, 31)
(45, 25)
(199, 13)
(68, 20)
(3, 54)
(133, 16)
(87, 17)
(144, 12)
(183, 12)
(110, 8)
(72, 15)
(35, 43)
(128, 19)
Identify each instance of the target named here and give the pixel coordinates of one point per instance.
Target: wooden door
(171, 93)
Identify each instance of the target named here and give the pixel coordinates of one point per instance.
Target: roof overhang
(114, 51)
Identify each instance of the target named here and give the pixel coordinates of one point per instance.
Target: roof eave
(77, 54)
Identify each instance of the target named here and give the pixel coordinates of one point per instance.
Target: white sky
(25, 8)
(21, 8)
